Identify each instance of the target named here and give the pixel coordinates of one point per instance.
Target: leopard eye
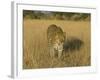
(50, 39)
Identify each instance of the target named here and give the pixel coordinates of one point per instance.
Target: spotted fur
(56, 38)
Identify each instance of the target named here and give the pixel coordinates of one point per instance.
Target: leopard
(56, 38)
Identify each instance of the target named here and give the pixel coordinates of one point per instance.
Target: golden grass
(35, 48)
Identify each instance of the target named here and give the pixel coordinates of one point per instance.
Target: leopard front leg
(59, 53)
(52, 52)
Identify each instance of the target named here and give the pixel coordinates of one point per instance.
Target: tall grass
(35, 47)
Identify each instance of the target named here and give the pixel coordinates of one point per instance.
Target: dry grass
(35, 50)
